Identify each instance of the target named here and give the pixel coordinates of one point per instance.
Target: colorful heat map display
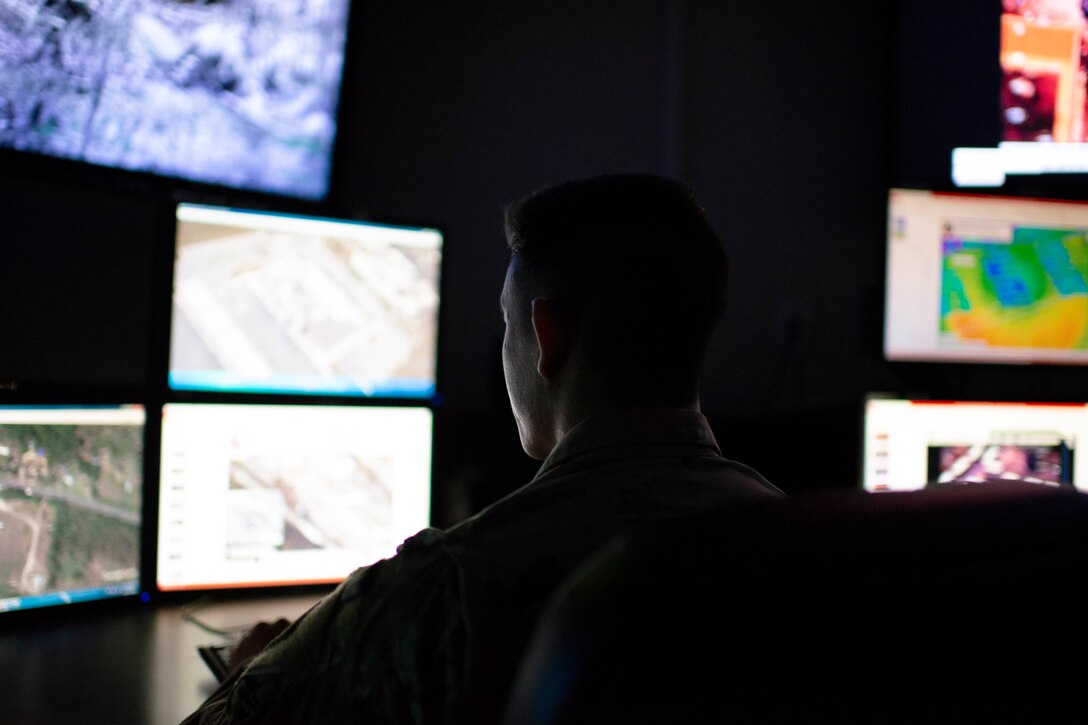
(1032, 292)
(990, 279)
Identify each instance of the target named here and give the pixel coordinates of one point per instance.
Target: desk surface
(131, 663)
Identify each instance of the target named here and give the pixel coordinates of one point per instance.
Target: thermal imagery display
(1030, 293)
(1042, 97)
(1043, 50)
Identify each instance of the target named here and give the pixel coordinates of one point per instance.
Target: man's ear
(554, 337)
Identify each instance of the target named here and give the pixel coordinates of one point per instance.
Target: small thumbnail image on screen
(70, 498)
(297, 503)
(986, 463)
(1031, 292)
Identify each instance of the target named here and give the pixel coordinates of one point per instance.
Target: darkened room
(791, 121)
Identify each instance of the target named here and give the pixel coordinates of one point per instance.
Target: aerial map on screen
(70, 498)
(268, 302)
(271, 495)
(240, 93)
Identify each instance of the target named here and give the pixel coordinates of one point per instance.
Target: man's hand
(255, 640)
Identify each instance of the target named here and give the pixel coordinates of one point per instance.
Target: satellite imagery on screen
(301, 305)
(272, 495)
(240, 93)
(70, 498)
(306, 502)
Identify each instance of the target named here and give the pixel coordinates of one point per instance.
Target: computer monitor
(71, 492)
(914, 444)
(1041, 99)
(276, 303)
(986, 279)
(990, 95)
(235, 94)
(268, 495)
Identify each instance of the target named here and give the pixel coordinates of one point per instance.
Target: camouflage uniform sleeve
(388, 642)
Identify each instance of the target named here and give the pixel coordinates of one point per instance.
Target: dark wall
(777, 119)
(458, 108)
(777, 113)
(774, 112)
(75, 279)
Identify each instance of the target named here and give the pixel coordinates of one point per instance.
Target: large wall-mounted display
(991, 95)
(241, 94)
(1044, 45)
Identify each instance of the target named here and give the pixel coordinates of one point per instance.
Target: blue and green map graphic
(1030, 293)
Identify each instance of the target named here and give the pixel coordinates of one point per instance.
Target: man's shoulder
(644, 443)
(426, 541)
(422, 555)
(366, 648)
(679, 475)
(739, 477)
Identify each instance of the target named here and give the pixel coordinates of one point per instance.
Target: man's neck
(580, 392)
(567, 418)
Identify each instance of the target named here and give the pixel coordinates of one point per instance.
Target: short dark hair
(635, 264)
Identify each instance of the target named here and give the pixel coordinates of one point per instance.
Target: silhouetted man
(614, 287)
